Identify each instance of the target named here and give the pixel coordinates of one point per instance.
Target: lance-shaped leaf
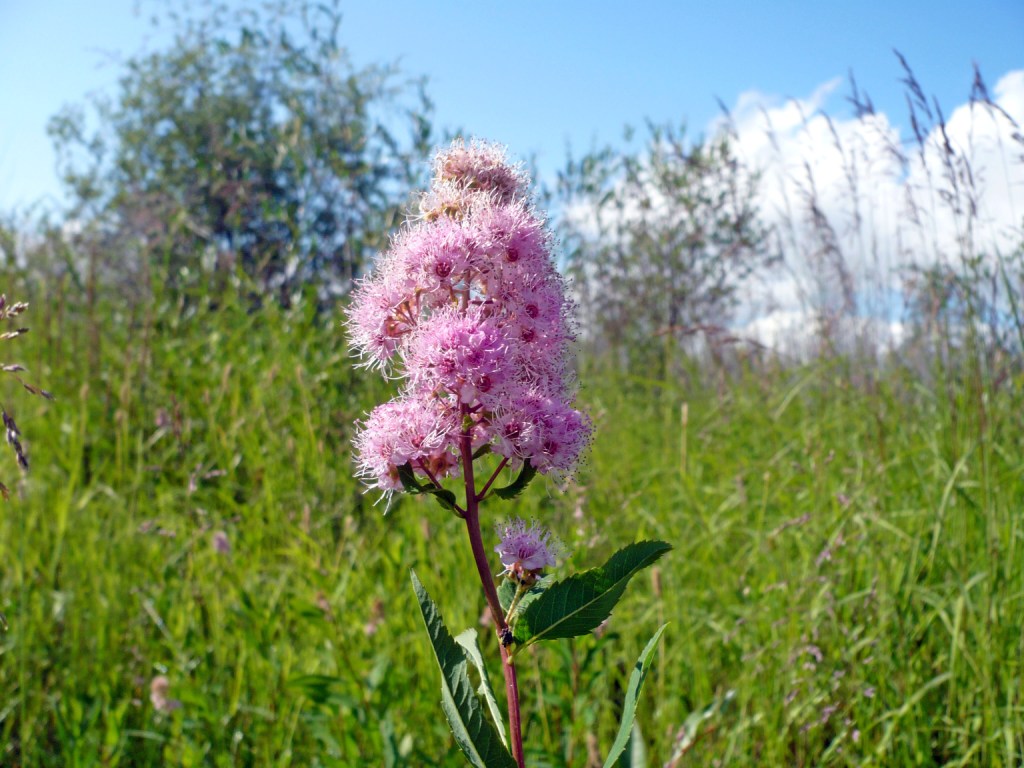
(636, 683)
(468, 640)
(473, 732)
(517, 486)
(578, 604)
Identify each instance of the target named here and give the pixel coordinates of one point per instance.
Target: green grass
(847, 560)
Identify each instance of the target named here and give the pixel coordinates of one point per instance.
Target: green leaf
(635, 754)
(473, 732)
(578, 604)
(443, 496)
(408, 478)
(507, 593)
(409, 482)
(468, 640)
(517, 486)
(636, 683)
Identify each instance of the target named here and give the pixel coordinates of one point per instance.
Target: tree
(250, 141)
(660, 239)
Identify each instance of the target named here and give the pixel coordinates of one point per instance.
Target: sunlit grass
(847, 560)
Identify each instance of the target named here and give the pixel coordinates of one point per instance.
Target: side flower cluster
(467, 308)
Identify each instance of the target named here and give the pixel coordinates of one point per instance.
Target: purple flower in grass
(159, 687)
(526, 549)
(461, 354)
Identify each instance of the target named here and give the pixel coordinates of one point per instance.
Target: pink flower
(467, 307)
(158, 689)
(379, 316)
(433, 259)
(545, 430)
(221, 542)
(511, 235)
(481, 167)
(512, 430)
(526, 550)
(563, 433)
(463, 354)
(399, 432)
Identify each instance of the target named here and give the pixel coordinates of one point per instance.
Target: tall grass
(846, 581)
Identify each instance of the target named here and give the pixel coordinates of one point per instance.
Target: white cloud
(893, 204)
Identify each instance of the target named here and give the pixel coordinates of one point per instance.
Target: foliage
(846, 591)
(578, 605)
(660, 238)
(636, 683)
(10, 312)
(467, 306)
(474, 733)
(250, 141)
(848, 562)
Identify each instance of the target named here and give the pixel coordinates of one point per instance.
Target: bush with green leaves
(659, 240)
(250, 142)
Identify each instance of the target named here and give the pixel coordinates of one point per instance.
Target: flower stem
(483, 493)
(483, 568)
(521, 590)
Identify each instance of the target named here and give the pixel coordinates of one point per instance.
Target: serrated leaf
(636, 684)
(578, 604)
(517, 486)
(473, 732)
(443, 496)
(635, 753)
(506, 593)
(469, 642)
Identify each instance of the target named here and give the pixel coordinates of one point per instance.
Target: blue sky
(540, 76)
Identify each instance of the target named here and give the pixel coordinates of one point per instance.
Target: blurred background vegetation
(846, 586)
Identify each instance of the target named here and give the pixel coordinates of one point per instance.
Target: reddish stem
(483, 568)
(430, 476)
(483, 493)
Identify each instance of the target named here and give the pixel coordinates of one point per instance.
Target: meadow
(846, 585)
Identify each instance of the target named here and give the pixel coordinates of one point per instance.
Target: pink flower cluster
(468, 309)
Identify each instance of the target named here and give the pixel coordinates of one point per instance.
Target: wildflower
(462, 354)
(480, 167)
(399, 432)
(526, 550)
(469, 310)
(221, 542)
(158, 689)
